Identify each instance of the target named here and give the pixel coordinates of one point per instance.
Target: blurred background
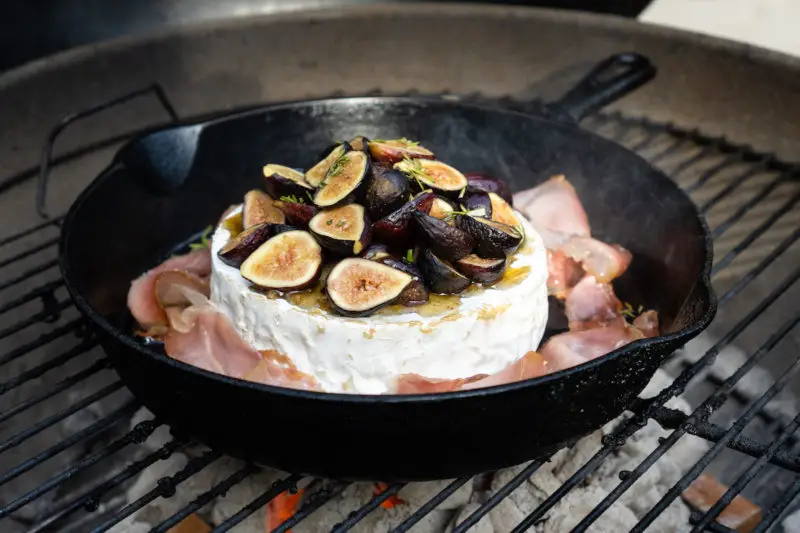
(34, 28)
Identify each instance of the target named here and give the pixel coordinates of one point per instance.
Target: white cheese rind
(493, 328)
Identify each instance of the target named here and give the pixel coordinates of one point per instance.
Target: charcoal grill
(66, 447)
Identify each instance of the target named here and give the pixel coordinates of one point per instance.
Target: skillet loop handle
(607, 82)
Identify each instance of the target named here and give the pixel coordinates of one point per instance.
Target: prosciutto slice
(647, 324)
(142, 300)
(592, 304)
(554, 210)
(563, 272)
(603, 261)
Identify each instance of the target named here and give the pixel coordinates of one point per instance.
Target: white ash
(791, 524)
(621, 516)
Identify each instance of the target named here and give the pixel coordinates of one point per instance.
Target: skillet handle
(607, 82)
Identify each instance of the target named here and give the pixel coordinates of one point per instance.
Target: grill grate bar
(88, 432)
(780, 508)
(29, 252)
(205, 498)
(671, 419)
(45, 423)
(706, 176)
(41, 316)
(747, 206)
(500, 495)
(755, 234)
(60, 478)
(91, 498)
(713, 403)
(356, 516)
(62, 385)
(714, 527)
(628, 427)
(30, 231)
(431, 504)
(747, 476)
(39, 292)
(686, 164)
(732, 186)
(317, 500)
(39, 370)
(288, 483)
(166, 488)
(42, 340)
(29, 274)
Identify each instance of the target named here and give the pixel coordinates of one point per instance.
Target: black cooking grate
(749, 199)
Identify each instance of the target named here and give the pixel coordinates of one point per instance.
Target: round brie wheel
(479, 332)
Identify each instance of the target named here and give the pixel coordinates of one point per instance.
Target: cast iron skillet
(165, 186)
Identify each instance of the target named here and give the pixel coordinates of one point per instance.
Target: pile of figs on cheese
(379, 234)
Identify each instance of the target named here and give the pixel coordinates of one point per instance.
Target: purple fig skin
(278, 186)
(446, 241)
(440, 276)
(479, 270)
(297, 214)
(416, 293)
(395, 228)
(479, 200)
(482, 182)
(491, 238)
(387, 191)
(245, 243)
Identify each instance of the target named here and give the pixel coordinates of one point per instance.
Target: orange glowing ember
(392, 501)
(281, 508)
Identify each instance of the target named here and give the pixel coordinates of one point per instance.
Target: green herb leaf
(462, 192)
(292, 199)
(204, 240)
(630, 313)
(410, 256)
(336, 167)
(311, 198)
(329, 222)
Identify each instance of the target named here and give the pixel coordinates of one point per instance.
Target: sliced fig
(344, 230)
(435, 175)
(482, 270)
(446, 241)
(479, 203)
(387, 190)
(440, 276)
(376, 251)
(358, 287)
(297, 213)
(316, 174)
(492, 238)
(282, 228)
(359, 143)
(394, 150)
(395, 228)
(288, 261)
(281, 181)
(502, 211)
(416, 293)
(239, 248)
(481, 182)
(258, 209)
(344, 181)
(441, 208)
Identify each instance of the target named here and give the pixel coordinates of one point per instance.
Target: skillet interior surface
(169, 184)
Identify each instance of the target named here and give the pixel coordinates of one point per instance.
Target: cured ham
(592, 304)
(577, 347)
(563, 272)
(555, 211)
(603, 261)
(142, 301)
(647, 323)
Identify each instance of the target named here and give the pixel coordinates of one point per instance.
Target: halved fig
(281, 181)
(502, 211)
(416, 293)
(359, 142)
(297, 213)
(344, 230)
(358, 287)
(492, 238)
(394, 150)
(479, 203)
(288, 261)
(258, 209)
(440, 276)
(344, 181)
(387, 190)
(482, 270)
(441, 208)
(481, 182)
(435, 175)
(395, 228)
(316, 174)
(376, 251)
(239, 248)
(277, 229)
(446, 241)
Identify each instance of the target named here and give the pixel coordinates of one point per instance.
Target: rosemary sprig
(410, 255)
(630, 313)
(292, 199)
(336, 167)
(413, 168)
(478, 212)
(204, 240)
